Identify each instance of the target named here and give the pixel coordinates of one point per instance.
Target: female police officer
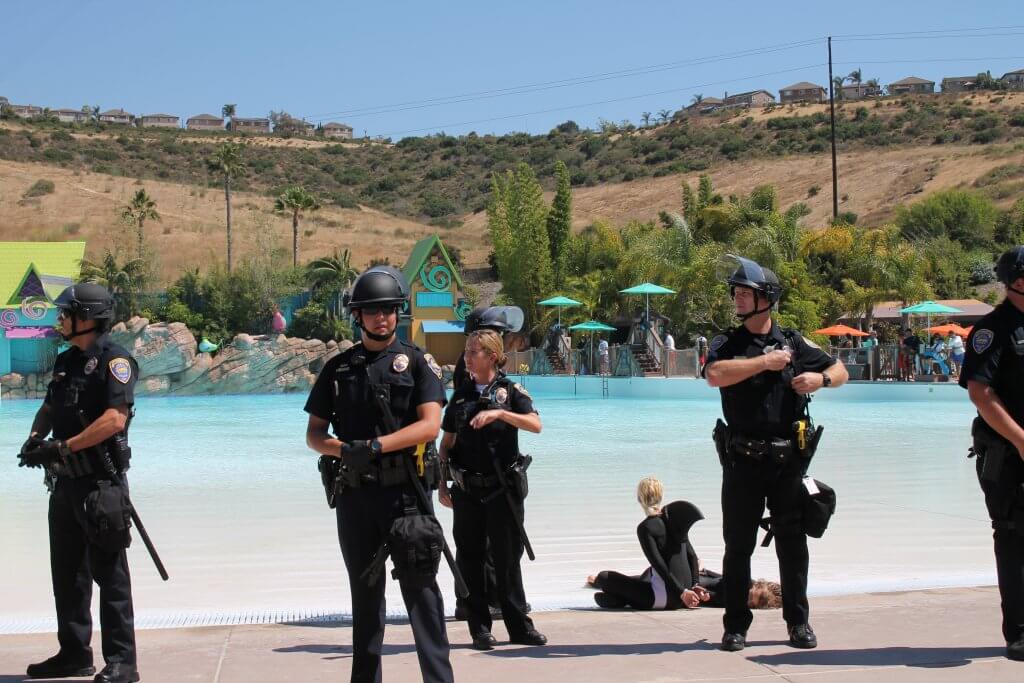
(383, 398)
(483, 421)
(87, 404)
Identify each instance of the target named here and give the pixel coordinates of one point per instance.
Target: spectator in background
(955, 346)
(670, 341)
(602, 354)
(870, 341)
(910, 347)
(702, 349)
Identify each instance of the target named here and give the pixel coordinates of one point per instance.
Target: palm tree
(141, 208)
(837, 87)
(227, 161)
(335, 272)
(646, 118)
(664, 114)
(122, 280)
(295, 200)
(854, 77)
(228, 111)
(697, 99)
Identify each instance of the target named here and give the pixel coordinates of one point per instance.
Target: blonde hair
(490, 341)
(648, 493)
(764, 595)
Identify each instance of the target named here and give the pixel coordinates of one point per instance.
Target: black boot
(60, 666)
(1015, 650)
(531, 637)
(802, 636)
(117, 672)
(608, 601)
(484, 641)
(734, 642)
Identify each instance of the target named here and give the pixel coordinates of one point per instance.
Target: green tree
(295, 200)
(664, 115)
(516, 218)
(227, 161)
(1009, 229)
(646, 118)
(330, 275)
(559, 223)
(140, 209)
(964, 217)
(228, 112)
(124, 280)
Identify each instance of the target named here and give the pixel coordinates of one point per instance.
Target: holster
(720, 435)
(329, 468)
(517, 478)
(415, 543)
(107, 516)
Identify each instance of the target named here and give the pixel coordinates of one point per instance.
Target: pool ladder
(604, 387)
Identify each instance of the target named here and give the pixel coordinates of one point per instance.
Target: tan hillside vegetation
(85, 206)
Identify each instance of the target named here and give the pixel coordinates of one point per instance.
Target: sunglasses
(377, 310)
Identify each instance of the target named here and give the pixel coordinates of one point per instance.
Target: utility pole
(832, 114)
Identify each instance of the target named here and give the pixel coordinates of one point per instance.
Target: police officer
(87, 409)
(483, 420)
(382, 398)
(993, 374)
(766, 374)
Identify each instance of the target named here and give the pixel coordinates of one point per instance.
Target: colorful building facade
(32, 275)
(438, 302)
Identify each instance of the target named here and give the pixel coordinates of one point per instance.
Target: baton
(512, 509)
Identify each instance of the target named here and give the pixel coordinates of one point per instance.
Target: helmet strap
(75, 332)
(1015, 290)
(744, 317)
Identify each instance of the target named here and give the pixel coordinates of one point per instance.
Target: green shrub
(40, 188)
(436, 205)
(313, 322)
(61, 136)
(101, 154)
(58, 155)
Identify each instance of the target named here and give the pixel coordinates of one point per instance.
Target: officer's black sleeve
(450, 422)
(520, 401)
(122, 373)
(719, 348)
(429, 387)
(811, 357)
(983, 355)
(321, 398)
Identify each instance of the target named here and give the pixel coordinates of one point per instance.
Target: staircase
(557, 363)
(645, 360)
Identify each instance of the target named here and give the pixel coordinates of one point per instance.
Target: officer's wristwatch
(375, 447)
(826, 381)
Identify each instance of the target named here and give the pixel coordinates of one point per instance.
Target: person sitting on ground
(674, 578)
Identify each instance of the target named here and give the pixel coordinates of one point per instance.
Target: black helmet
(1010, 266)
(380, 285)
(750, 274)
(501, 319)
(87, 300)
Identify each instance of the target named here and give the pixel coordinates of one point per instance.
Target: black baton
(512, 508)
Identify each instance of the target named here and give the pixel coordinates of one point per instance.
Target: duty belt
(480, 481)
(761, 449)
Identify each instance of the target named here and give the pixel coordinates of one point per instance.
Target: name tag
(811, 486)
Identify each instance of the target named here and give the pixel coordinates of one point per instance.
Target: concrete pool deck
(931, 635)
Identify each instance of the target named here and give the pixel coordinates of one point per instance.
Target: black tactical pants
(746, 485)
(479, 527)
(74, 564)
(364, 519)
(1001, 497)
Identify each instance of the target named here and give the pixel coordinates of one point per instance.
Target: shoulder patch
(718, 342)
(983, 340)
(121, 369)
(521, 389)
(432, 364)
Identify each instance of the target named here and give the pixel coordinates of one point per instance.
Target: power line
(608, 101)
(931, 32)
(929, 61)
(568, 82)
(911, 37)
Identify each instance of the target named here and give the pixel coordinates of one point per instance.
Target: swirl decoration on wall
(33, 308)
(462, 309)
(8, 319)
(438, 279)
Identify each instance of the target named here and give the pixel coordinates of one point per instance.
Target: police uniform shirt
(994, 357)
(765, 405)
(476, 448)
(91, 381)
(343, 396)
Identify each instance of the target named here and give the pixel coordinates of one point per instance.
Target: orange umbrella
(840, 331)
(947, 328)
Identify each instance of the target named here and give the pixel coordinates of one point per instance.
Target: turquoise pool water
(232, 499)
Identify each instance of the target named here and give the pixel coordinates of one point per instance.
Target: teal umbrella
(560, 302)
(647, 289)
(928, 309)
(593, 326)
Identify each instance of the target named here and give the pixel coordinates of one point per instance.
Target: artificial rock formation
(169, 363)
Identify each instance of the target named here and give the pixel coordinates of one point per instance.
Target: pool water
(232, 499)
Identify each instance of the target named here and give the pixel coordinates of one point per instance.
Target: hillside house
(706, 105)
(802, 92)
(70, 115)
(250, 125)
(117, 116)
(26, 111)
(958, 83)
(754, 98)
(205, 122)
(1014, 79)
(912, 85)
(337, 130)
(860, 91)
(159, 121)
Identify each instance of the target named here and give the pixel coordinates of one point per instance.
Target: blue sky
(332, 60)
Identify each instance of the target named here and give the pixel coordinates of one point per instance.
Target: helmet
(88, 301)
(1010, 266)
(501, 319)
(749, 274)
(380, 285)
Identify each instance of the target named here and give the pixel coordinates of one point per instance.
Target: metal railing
(620, 362)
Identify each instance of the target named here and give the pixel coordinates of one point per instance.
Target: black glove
(356, 455)
(46, 453)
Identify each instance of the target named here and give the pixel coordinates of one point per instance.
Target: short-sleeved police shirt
(343, 396)
(993, 358)
(765, 405)
(91, 381)
(475, 449)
